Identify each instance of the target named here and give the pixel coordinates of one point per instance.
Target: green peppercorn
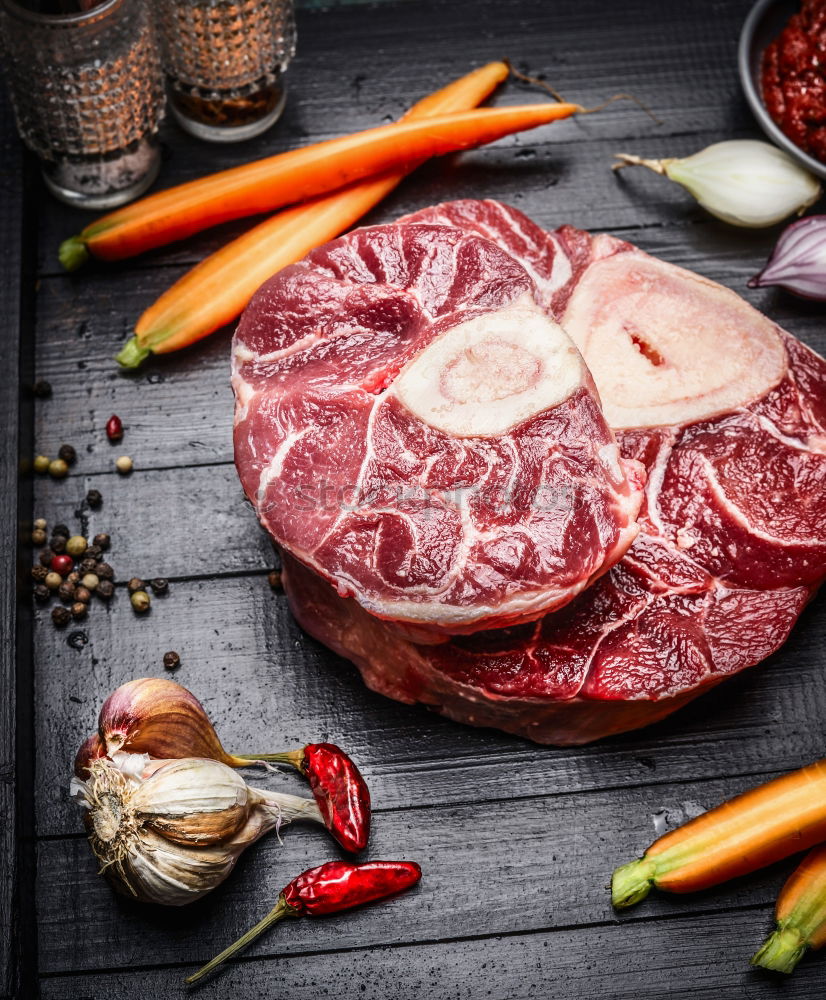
(79, 610)
(61, 616)
(105, 589)
(93, 552)
(135, 584)
(46, 557)
(41, 464)
(102, 541)
(105, 571)
(40, 524)
(83, 594)
(57, 544)
(66, 592)
(68, 454)
(90, 581)
(76, 546)
(53, 580)
(94, 499)
(61, 529)
(88, 566)
(42, 389)
(124, 465)
(58, 469)
(140, 601)
(42, 593)
(171, 660)
(39, 573)
(159, 585)
(39, 537)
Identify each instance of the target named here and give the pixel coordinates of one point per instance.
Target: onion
(798, 261)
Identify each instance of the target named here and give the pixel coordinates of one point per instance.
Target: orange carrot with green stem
(800, 915)
(215, 291)
(755, 829)
(294, 176)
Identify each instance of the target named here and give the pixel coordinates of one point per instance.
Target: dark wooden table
(517, 841)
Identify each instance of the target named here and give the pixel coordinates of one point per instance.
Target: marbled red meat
(728, 415)
(413, 424)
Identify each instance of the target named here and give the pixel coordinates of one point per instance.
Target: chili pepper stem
(281, 910)
(131, 354)
(781, 951)
(295, 758)
(631, 883)
(73, 253)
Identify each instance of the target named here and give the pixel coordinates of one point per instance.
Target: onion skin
(798, 261)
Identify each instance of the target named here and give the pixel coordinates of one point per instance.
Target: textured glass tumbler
(224, 62)
(87, 92)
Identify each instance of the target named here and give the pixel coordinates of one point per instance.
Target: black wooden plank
(704, 958)
(267, 686)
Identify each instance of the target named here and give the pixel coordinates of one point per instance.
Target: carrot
(295, 176)
(755, 829)
(800, 915)
(215, 291)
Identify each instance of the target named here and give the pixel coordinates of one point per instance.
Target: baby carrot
(800, 915)
(748, 832)
(295, 176)
(215, 291)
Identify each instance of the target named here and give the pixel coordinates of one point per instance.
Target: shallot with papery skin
(798, 261)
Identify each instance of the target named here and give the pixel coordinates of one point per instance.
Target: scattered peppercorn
(135, 584)
(102, 541)
(140, 601)
(61, 529)
(159, 586)
(58, 469)
(114, 428)
(46, 557)
(57, 544)
(105, 589)
(122, 464)
(105, 571)
(61, 616)
(42, 593)
(66, 592)
(41, 464)
(68, 454)
(83, 594)
(73, 577)
(62, 565)
(42, 389)
(79, 610)
(40, 523)
(88, 565)
(274, 579)
(171, 660)
(90, 581)
(53, 580)
(94, 499)
(76, 545)
(93, 552)
(39, 537)
(39, 573)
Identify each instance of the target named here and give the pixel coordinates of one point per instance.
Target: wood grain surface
(517, 842)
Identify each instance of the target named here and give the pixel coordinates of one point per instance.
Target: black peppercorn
(58, 544)
(42, 592)
(39, 537)
(104, 571)
(135, 584)
(73, 577)
(39, 573)
(83, 594)
(66, 592)
(88, 566)
(274, 579)
(171, 660)
(42, 389)
(105, 589)
(68, 454)
(61, 616)
(102, 541)
(94, 499)
(61, 529)
(46, 557)
(79, 610)
(93, 551)
(159, 585)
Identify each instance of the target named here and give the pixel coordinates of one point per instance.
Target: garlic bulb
(741, 181)
(170, 831)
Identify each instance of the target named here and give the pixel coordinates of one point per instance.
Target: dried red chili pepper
(335, 886)
(339, 789)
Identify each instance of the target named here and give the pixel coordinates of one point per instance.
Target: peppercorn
(62, 565)
(42, 593)
(102, 541)
(66, 592)
(42, 389)
(57, 544)
(76, 545)
(140, 601)
(135, 584)
(274, 579)
(94, 499)
(88, 565)
(39, 573)
(159, 585)
(122, 464)
(61, 529)
(171, 660)
(53, 580)
(61, 616)
(40, 523)
(79, 610)
(93, 552)
(39, 537)
(105, 571)
(68, 454)
(73, 577)
(90, 581)
(58, 469)
(83, 594)
(105, 589)
(41, 464)
(45, 557)
(114, 428)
